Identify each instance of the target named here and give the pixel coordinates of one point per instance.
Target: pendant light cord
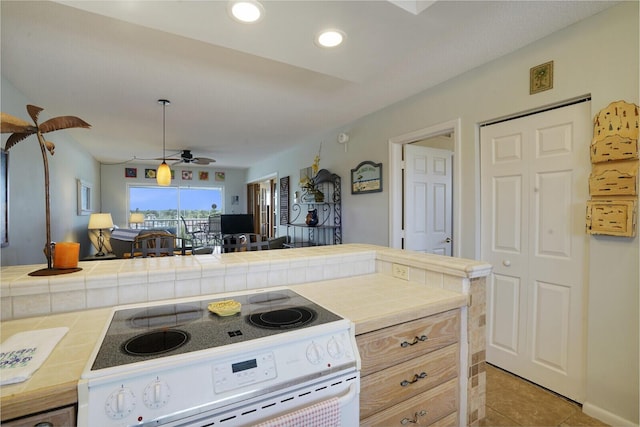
(164, 103)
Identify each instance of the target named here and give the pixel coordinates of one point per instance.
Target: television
(236, 223)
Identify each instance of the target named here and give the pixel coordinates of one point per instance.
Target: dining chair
(156, 244)
(242, 242)
(197, 235)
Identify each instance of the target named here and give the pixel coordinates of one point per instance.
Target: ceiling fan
(188, 158)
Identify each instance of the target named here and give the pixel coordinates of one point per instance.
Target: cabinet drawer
(395, 344)
(63, 417)
(424, 409)
(385, 388)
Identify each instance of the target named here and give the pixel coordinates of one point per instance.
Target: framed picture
(203, 176)
(187, 175)
(366, 178)
(4, 195)
(130, 172)
(84, 197)
(219, 176)
(541, 78)
(150, 173)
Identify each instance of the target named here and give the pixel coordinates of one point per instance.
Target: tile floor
(512, 401)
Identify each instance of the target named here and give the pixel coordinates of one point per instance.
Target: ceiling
(241, 92)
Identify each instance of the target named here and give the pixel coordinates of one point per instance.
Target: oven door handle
(349, 395)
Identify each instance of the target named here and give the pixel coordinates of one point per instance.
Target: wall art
(366, 178)
(541, 78)
(130, 172)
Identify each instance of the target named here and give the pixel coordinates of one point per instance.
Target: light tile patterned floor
(512, 401)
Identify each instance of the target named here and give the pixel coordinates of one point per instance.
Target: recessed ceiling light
(247, 11)
(330, 38)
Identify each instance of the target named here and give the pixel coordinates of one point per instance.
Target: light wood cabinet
(410, 372)
(62, 417)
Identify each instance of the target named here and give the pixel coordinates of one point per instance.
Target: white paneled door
(534, 188)
(428, 200)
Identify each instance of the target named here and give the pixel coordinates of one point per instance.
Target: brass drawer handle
(406, 421)
(416, 340)
(416, 377)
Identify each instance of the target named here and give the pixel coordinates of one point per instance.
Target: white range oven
(281, 360)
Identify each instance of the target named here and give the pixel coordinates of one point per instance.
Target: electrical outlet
(400, 271)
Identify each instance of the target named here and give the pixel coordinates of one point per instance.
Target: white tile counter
(354, 280)
(137, 280)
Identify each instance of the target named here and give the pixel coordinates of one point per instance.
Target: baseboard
(606, 416)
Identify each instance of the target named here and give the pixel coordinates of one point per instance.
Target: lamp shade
(100, 221)
(136, 218)
(163, 176)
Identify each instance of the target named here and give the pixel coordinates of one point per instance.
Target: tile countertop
(54, 384)
(375, 301)
(371, 301)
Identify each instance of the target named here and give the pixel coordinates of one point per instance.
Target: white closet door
(534, 188)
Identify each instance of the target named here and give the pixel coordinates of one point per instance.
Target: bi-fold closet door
(534, 188)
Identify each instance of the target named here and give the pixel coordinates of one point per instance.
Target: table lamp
(136, 218)
(100, 221)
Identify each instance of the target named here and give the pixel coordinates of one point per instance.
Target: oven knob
(156, 394)
(120, 403)
(314, 353)
(334, 348)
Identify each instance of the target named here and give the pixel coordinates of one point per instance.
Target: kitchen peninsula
(375, 287)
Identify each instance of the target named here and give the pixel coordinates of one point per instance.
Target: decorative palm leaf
(10, 124)
(62, 122)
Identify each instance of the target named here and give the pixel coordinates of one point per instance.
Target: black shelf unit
(328, 231)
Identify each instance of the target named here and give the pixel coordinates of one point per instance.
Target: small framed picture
(187, 175)
(203, 176)
(219, 176)
(366, 178)
(150, 173)
(541, 78)
(130, 172)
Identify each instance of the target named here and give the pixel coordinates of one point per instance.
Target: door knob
(506, 263)
(447, 240)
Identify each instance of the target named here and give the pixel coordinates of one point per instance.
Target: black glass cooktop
(144, 333)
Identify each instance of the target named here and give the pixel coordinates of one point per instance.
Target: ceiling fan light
(246, 11)
(330, 38)
(163, 175)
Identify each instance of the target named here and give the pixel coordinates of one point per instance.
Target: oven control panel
(233, 375)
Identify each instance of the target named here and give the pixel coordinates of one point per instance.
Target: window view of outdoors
(170, 203)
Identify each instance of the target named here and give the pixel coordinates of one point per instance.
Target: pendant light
(163, 175)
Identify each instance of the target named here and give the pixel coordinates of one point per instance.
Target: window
(163, 206)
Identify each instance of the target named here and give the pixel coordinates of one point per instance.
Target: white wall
(115, 187)
(598, 56)
(27, 232)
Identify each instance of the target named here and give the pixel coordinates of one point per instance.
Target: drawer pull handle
(406, 421)
(416, 377)
(416, 340)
